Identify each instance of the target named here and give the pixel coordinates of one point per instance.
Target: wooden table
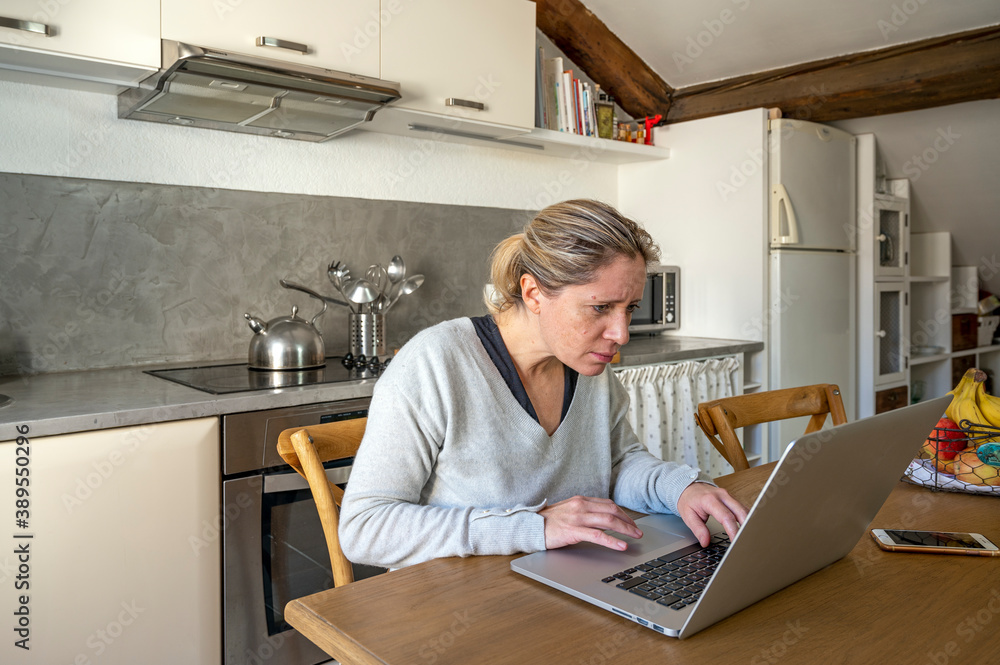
(871, 606)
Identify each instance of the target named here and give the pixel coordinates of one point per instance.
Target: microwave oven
(659, 309)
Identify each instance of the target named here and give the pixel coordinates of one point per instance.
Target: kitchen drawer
(891, 398)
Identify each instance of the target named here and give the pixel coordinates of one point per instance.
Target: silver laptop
(820, 498)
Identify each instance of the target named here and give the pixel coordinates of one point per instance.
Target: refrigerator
(811, 265)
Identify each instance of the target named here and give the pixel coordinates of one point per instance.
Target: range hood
(204, 87)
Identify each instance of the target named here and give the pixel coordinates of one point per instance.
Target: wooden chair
(305, 450)
(723, 416)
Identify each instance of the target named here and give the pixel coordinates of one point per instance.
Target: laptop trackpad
(591, 562)
(658, 531)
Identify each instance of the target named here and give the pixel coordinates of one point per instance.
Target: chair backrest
(305, 449)
(723, 416)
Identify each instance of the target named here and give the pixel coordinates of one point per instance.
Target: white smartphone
(934, 542)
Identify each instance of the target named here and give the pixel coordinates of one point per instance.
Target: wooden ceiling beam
(955, 68)
(944, 70)
(588, 42)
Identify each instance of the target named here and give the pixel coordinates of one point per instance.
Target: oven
(273, 544)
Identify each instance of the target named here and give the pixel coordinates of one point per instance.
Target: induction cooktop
(238, 377)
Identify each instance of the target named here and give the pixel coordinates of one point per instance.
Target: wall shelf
(536, 141)
(923, 360)
(575, 146)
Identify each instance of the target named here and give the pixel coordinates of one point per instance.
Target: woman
(508, 433)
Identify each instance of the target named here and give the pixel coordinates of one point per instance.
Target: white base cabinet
(123, 565)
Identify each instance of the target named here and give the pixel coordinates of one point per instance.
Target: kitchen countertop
(64, 402)
(652, 349)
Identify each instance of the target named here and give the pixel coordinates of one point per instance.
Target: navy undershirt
(489, 335)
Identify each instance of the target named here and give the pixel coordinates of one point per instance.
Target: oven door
(648, 316)
(273, 551)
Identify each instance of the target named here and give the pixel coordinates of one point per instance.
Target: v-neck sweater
(491, 339)
(452, 465)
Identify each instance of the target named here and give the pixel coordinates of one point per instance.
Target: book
(552, 72)
(591, 100)
(539, 90)
(578, 88)
(568, 118)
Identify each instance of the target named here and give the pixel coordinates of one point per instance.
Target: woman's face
(584, 325)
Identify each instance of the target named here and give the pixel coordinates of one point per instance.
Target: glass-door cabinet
(891, 332)
(891, 219)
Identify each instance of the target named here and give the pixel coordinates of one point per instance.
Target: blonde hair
(565, 244)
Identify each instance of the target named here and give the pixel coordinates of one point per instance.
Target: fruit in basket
(989, 453)
(945, 441)
(970, 469)
(964, 408)
(964, 383)
(990, 407)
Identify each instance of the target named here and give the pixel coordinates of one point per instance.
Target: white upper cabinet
(469, 60)
(335, 34)
(110, 39)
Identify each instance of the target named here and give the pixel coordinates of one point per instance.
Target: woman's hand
(699, 501)
(584, 518)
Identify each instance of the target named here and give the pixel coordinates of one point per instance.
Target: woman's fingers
(581, 518)
(700, 501)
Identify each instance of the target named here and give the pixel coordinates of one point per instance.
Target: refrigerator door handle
(781, 201)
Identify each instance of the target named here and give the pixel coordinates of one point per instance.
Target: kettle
(286, 342)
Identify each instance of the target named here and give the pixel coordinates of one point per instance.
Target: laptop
(819, 500)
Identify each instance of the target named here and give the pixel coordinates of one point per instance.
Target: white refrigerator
(811, 264)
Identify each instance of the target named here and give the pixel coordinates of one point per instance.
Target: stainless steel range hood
(203, 87)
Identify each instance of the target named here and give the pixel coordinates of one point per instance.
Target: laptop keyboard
(675, 580)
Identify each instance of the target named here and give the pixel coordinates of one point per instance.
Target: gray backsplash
(108, 274)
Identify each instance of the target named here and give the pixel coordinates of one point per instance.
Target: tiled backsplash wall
(108, 274)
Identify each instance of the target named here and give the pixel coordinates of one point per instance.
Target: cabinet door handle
(26, 26)
(465, 103)
(281, 43)
(880, 333)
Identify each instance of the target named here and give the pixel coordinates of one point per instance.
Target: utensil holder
(367, 335)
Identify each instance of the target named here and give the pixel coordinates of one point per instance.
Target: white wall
(50, 131)
(706, 206)
(951, 155)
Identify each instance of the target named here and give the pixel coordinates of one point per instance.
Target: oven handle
(291, 481)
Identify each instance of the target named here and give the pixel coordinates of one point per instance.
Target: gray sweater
(452, 465)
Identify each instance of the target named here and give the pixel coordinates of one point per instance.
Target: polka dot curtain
(663, 402)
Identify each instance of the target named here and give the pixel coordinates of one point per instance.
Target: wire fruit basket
(965, 460)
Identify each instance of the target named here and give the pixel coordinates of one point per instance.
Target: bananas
(967, 378)
(990, 407)
(971, 403)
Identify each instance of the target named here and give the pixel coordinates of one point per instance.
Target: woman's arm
(642, 482)
(382, 521)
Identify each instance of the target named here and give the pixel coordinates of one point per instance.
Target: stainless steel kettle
(286, 342)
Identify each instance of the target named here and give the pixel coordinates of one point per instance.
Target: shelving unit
(885, 295)
(574, 146)
(938, 292)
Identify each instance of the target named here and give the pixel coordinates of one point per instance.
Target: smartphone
(934, 542)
